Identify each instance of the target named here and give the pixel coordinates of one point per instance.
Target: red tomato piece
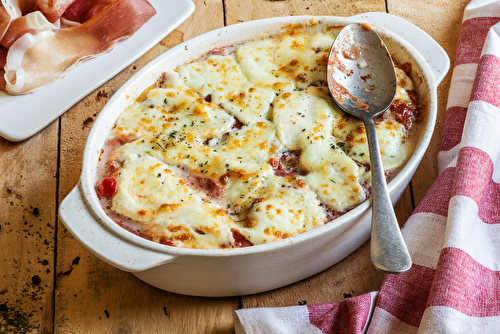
(107, 187)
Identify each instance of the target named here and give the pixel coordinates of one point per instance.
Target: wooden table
(51, 284)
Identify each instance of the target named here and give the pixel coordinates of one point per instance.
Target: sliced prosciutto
(8, 12)
(82, 10)
(32, 23)
(36, 61)
(5, 20)
(24, 6)
(53, 9)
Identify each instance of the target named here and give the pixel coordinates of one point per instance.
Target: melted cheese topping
(173, 108)
(222, 79)
(301, 118)
(332, 175)
(154, 195)
(246, 147)
(273, 207)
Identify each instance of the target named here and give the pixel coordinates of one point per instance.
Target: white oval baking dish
(262, 267)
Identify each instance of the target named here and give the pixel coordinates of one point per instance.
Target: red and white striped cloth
(454, 233)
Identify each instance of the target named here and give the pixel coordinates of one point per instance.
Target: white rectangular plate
(24, 115)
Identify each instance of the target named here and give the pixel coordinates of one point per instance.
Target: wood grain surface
(49, 283)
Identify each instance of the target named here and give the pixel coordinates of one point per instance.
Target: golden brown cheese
(246, 147)
(221, 78)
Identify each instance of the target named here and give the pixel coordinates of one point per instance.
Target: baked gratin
(245, 146)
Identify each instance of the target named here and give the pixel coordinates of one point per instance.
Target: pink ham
(36, 61)
(25, 6)
(53, 9)
(8, 12)
(32, 23)
(82, 10)
(4, 20)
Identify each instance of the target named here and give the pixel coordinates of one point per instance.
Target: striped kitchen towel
(454, 233)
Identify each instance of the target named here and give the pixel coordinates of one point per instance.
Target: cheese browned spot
(173, 108)
(222, 79)
(247, 147)
(155, 195)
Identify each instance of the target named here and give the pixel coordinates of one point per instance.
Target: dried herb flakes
(15, 321)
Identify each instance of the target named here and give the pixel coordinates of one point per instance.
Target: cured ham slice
(4, 20)
(8, 12)
(31, 23)
(82, 10)
(24, 6)
(36, 61)
(53, 10)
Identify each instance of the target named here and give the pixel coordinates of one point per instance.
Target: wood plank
(93, 297)
(27, 231)
(238, 11)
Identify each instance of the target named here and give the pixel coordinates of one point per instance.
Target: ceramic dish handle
(103, 244)
(429, 49)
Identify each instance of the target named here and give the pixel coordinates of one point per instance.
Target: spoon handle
(387, 248)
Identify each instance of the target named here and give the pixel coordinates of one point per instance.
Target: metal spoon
(362, 80)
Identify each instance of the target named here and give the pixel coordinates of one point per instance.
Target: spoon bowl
(361, 74)
(362, 81)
